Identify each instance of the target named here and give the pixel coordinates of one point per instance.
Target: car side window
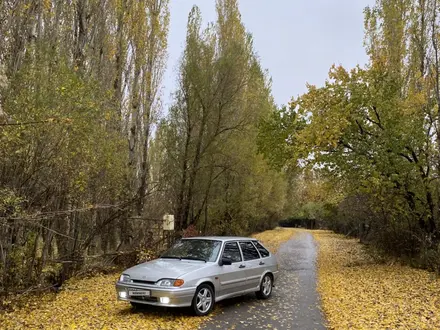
(249, 251)
(232, 252)
(263, 252)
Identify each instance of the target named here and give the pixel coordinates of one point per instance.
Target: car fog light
(164, 300)
(122, 294)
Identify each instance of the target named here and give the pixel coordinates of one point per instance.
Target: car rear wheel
(265, 287)
(203, 300)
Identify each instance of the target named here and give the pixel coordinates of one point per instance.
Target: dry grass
(357, 293)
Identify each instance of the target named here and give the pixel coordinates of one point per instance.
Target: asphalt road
(294, 303)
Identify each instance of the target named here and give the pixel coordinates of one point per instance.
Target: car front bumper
(178, 297)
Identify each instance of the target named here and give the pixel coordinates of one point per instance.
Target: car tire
(203, 300)
(265, 287)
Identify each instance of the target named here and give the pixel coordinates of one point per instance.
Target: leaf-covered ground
(272, 239)
(90, 303)
(358, 293)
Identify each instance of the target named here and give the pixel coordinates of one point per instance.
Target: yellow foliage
(358, 293)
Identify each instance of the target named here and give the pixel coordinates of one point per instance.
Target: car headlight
(168, 282)
(124, 278)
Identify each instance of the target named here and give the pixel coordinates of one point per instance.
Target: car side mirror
(225, 261)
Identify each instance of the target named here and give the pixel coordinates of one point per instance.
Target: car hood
(163, 268)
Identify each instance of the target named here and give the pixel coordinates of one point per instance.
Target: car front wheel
(265, 287)
(203, 300)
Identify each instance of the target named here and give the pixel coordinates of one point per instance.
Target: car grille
(149, 299)
(143, 282)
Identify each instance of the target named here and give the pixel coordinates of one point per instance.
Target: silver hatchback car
(200, 271)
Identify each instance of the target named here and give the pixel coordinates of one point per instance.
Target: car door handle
(241, 266)
(261, 263)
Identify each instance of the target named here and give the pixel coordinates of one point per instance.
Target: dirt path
(294, 303)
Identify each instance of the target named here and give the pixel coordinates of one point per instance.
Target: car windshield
(194, 249)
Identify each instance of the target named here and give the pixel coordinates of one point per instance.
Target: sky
(297, 41)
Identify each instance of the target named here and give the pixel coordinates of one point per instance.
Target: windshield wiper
(194, 258)
(171, 257)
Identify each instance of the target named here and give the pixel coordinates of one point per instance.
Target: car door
(232, 278)
(253, 263)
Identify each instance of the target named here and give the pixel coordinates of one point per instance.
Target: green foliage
(10, 203)
(70, 139)
(277, 137)
(362, 129)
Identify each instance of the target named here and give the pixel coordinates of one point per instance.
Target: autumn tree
(374, 130)
(76, 80)
(223, 93)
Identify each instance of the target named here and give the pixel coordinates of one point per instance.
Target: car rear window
(249, 251)
(232, 252)
(264, 253)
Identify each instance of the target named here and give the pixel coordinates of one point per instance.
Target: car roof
(223, 238)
